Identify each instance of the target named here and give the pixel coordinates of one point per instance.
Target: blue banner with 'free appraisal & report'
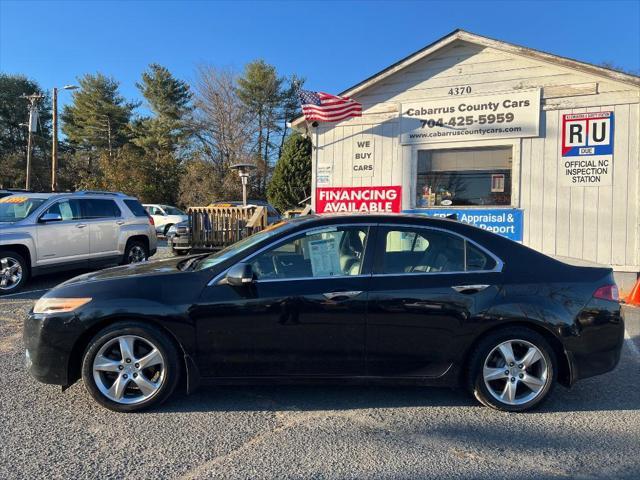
(503, 221)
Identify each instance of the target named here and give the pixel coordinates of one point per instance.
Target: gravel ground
(591, 431)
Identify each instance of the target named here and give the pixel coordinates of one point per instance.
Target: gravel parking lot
(591, 431)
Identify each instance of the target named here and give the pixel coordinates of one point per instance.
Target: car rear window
(136, 208)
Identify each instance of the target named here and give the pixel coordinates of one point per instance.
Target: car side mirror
(240, 275)
(50, 217)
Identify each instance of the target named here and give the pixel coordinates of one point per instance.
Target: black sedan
(379, 298)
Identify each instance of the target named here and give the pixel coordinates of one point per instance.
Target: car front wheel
(512, 370)
(130, 366)
(13, 272)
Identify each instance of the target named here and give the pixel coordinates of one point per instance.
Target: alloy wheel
(136, 254)
(10, 273)
(515, 372)
(129, 369)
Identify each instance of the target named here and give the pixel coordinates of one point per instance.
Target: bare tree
(223, 124)
(224, 133)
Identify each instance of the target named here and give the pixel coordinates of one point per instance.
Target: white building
(537, 147)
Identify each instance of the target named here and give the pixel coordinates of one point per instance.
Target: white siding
(601, 224)
(598, 224)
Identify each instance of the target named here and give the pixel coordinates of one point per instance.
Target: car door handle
(120, 222)
(342, 295)
(81, 225)
(468, 289)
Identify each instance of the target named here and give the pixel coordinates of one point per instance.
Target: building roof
(464, 36)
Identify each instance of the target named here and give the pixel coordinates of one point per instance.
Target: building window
(464, 176)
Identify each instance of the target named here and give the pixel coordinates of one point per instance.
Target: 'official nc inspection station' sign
(503, 221)
(501, 115)
(587, 149)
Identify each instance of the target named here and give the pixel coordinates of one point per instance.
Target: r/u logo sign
(587, 134)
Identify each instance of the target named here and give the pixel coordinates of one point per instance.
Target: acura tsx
(395, 299)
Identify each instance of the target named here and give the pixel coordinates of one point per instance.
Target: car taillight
(607, 292)
(151, 220)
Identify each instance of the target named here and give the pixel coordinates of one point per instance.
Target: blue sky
(333, 44)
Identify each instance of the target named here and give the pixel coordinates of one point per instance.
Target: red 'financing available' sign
(358, 199)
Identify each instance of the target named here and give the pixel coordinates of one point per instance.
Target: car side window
(477, 260)
(401, 241)
(67, 209)
(99, 208)
(328, 252)
(421, 250)
(424, 250)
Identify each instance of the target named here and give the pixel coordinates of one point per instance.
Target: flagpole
(315, 189)
(314, 146)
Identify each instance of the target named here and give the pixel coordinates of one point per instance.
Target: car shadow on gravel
(311, 398)
(597, 394)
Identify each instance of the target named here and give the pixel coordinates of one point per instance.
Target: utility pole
(54, 144)
(32, 127)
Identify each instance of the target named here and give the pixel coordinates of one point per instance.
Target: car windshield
(242, 245)
(172, 210)
(18, 207)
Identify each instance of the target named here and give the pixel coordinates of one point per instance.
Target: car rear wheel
(135, 252)
(512, 370)
(13, 272)
(130, 366)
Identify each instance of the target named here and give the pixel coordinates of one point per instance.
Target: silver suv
(48, 232)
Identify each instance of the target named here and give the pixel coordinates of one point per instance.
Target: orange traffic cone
(634, 297)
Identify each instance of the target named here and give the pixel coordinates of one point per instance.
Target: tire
(157, 381)
(135, 252)
(14, 272)
(166, 229)
(518, 387)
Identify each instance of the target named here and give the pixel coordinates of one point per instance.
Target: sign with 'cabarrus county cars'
(501, 115)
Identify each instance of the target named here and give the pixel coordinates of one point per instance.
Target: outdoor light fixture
(243, 170)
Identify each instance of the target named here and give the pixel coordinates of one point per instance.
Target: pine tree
(170, 101)
(167, 96)
(290, 106)
(260, 91)
(291, 181)
(98, 118)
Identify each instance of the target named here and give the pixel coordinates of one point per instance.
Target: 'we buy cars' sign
(587, 149)
(358, 199)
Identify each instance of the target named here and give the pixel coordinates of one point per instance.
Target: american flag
(323, 107)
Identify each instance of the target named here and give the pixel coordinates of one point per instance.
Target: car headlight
(59, 305)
